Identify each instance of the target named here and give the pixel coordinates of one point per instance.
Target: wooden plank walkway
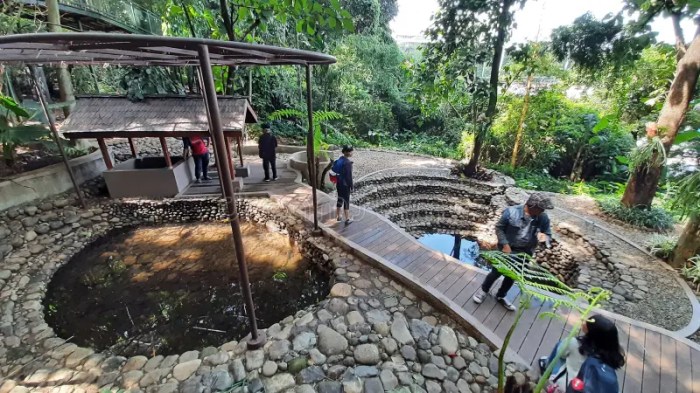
(658, 361)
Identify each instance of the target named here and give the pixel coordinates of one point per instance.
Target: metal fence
(122, 13)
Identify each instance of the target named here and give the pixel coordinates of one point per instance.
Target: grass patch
(662, 246)
(655, 218)
(691, 271)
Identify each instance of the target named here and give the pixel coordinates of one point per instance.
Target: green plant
(654, 217)
(535, 282)
(320, 118)
(662, 246)
(14, 129)
(692, 271)
(279, 276)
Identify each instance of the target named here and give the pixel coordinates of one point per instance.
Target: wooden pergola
(142, 50)
(105, 117)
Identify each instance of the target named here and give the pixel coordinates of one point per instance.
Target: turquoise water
(455, 246)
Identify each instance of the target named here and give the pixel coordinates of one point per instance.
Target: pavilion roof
(117, 117)
(144, 50)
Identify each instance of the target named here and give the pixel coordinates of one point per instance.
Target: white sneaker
(507, 304)
(479, 296)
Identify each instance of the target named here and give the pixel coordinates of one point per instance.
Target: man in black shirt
(267, 146)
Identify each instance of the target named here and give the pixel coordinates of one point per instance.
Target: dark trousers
(201, 165)
(343, 197)
(267, 163)
(507, 282)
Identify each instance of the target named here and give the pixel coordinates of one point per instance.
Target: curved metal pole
(256, 340)
(310, 154)
(56, 137)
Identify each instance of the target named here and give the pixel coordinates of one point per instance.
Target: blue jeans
(201, 166)
(559, 364)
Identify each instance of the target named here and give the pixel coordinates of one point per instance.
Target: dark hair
(513, 387)
(602, 342)
(266, 126)
(347, 149)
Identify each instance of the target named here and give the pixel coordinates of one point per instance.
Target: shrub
(662, 246)
(654, 218)
(691, 272)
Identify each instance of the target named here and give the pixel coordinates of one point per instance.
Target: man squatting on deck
(517, 231)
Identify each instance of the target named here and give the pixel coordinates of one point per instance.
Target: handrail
(122, 13)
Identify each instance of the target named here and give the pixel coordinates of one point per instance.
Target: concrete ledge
(298, 162)
(51, 180)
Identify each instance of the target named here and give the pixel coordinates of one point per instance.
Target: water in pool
(455, 246)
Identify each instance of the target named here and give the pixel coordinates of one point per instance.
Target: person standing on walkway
(200, 153)
(517, 231)
(588, 362)
(342, 168)
(267, 150)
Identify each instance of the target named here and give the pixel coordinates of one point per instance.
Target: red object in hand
(577, 385)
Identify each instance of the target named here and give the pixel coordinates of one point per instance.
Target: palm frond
(538, 283)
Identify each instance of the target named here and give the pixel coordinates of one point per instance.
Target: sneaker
(349, 221)
(206, 178)
(197, 181)
(275, 179)
(507, 304)
(267, 180)
(339, 219)
(479, 296)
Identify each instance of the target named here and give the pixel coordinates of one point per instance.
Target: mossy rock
(297, 364)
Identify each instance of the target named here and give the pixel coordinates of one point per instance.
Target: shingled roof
(117, 117)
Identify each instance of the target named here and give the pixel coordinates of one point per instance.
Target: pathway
(657, 360)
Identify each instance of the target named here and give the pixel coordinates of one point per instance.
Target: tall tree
(646, 174)
(527, 60)
(687, 200)
(472, 29)
(65, 85)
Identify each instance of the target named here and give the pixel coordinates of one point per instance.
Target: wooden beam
(105, 153)
(143, 134)
(230, 159)
(166, 153)
(240, 149)
(133, 147)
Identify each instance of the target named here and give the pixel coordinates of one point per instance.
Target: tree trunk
(521, 123)
(503, 25)
(65, 85)
(577, 168)
(680, 37)
(689, 242)
(644, 180)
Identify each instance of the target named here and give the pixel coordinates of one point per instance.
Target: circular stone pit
(374, 335)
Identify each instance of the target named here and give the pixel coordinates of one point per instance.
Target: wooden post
(257, 338)
(133, 148)
(310, 154)
(54, 132)
(166, 153)
(230, 159)
(240, 149)
(105, 153)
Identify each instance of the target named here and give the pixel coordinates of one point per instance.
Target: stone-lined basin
(169, 289)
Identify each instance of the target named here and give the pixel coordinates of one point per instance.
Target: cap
(266, 126)
(540, 200)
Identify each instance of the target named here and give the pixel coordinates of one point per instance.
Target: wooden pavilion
(108, 117)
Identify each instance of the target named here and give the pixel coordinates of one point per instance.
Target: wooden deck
(658, 361)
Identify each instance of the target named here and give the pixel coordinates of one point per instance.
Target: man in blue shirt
(517, 231)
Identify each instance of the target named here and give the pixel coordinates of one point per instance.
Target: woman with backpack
(589, 361)
(342, 171)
